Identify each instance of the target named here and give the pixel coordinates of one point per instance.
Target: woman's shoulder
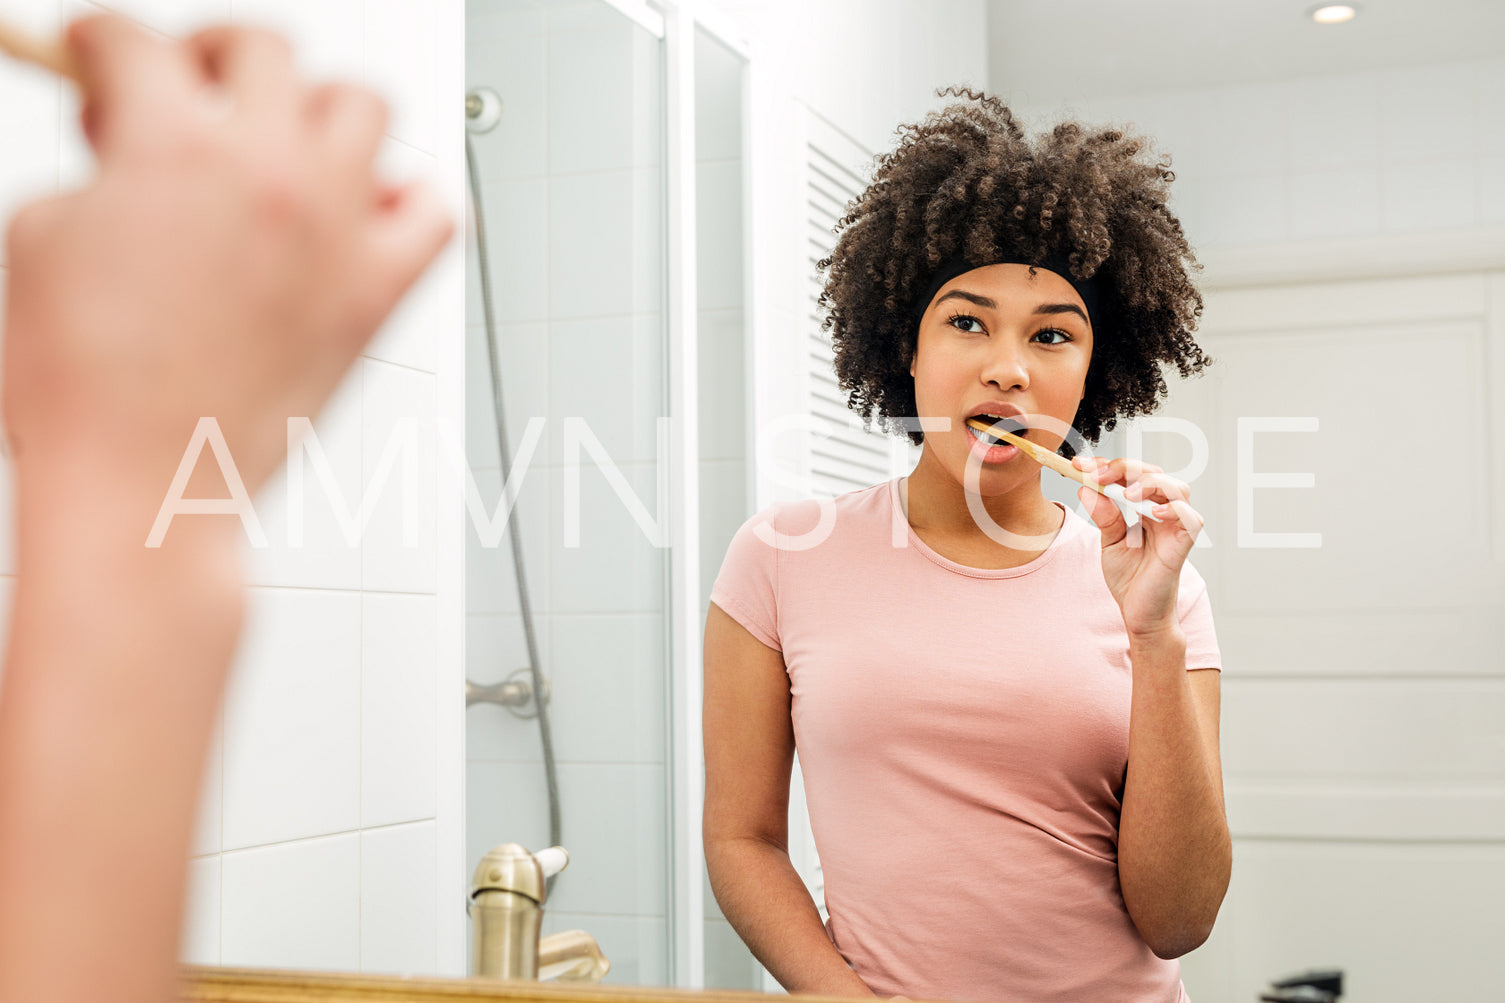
(836, 527)
(804, 515)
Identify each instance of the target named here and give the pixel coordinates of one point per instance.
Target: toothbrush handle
(1143, 508)
(49, 55)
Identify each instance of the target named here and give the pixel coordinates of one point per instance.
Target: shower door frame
(676, 23)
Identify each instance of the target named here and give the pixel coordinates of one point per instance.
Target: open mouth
(1011, 425)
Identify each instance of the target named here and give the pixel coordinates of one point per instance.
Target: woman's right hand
(231, 258)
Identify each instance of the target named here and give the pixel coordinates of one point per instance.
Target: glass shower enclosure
(587, 312)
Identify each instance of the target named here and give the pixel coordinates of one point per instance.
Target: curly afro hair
(967, 183)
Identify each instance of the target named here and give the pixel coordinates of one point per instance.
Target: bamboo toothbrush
(1063, 466)
(48, 55)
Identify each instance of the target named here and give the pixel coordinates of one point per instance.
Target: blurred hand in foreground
(233, 256)
(230, 260)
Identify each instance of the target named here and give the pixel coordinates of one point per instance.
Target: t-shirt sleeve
(747, 586)
(1195, 612)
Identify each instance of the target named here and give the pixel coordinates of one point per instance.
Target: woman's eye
(961, 320)
(1055, 337)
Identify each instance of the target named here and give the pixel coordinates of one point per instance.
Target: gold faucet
(506, 911)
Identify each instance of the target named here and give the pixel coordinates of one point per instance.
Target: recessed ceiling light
(1334, 13)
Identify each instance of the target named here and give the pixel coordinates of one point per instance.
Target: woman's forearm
(763, 898)
(117, 658)
(1174, 851)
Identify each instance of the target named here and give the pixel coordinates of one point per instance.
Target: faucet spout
(506, 910)
(571, 956)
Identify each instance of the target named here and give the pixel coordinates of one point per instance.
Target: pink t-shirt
(963, 735)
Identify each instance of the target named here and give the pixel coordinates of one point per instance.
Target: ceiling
(1053, 50)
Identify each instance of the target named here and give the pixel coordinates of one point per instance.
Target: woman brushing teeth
(1014, 707)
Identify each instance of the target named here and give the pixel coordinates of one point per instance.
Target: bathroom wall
(1357, 155)
(572, 189)
(330, 834)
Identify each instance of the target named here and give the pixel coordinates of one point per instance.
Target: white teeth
(984, 437)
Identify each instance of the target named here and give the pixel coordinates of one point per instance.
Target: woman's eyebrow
(969, 297)
(1044, 308)
(1053, 308)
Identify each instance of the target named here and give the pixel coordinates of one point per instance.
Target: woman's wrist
(1157, 639)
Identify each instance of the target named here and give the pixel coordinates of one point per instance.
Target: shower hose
(524, 606)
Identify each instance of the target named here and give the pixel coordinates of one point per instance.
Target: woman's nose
(1005, 368)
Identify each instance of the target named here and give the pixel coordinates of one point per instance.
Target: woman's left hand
(1142, 565)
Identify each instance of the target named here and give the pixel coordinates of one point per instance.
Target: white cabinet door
(1361, 622)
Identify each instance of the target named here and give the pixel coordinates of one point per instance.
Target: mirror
(1348, 200)
(1348, 209)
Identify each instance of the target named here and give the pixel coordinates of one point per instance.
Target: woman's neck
(936, 503)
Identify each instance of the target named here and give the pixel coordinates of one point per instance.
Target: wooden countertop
(251, 985)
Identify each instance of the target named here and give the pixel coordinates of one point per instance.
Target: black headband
(1089, 289)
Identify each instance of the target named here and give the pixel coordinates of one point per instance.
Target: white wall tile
(327, 34)
(292, 720)
(648, 237)
(398, 547)
(648, 99)
(398, 900)
(723, 385)
(523, 356)
(636, 946)
(592, 244)
(718, 234)
(518, 246)
(608, 679)
(495, 649)
(411, 335)
(506, 803)
(172, 17)
(29, 122)
(207, 827)
(1435, 195)
(1337, 203)
(591, 120)
(613, 826)
(1334, 122)
(1429, 113)
(582, 16)
(293, 906)
(718, 100)
(201, 913)
(616, 568)
(723, 509)
(326, 557)
(399, 766)
(400, 62)
(491, 581)
(728, 962)
(506, 52)
(608, 371)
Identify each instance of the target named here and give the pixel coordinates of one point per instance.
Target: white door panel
(1364, 686)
